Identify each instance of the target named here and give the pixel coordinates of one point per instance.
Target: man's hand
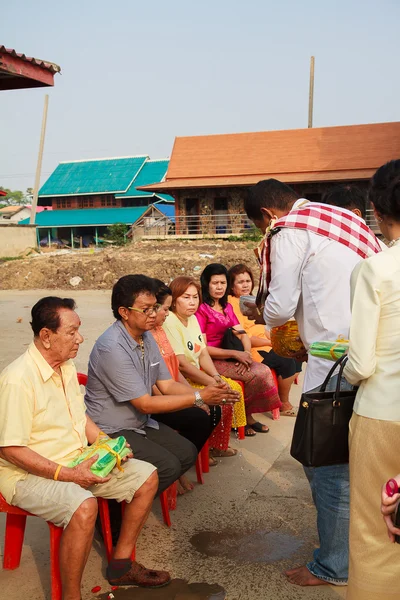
(254, 313)
(83, 476)
(388, 507)
(128, 456)
(215, 394)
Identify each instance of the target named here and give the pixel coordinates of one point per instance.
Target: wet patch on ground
(259, 546)
(178, 589)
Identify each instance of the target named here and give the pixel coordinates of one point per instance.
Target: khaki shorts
(56, 501)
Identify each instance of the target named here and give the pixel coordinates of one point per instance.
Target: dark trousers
(164, 448)
(171, 452)
(193, 423)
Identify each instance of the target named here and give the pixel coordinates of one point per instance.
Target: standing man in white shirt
(306, 274)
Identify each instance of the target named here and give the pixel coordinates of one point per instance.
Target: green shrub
(117, 233)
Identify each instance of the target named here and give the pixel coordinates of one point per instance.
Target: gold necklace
(141, 344)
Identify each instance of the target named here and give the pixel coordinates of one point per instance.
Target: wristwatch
(198, 400)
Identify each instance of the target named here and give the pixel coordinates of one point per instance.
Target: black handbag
(321, 431)
(230, 341)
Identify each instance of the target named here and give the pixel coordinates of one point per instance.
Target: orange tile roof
(297, 155)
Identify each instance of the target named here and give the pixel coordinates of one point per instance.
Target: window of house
(64, 203)
(85, 203)
(108, 201)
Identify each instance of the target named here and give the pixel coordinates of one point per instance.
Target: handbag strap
(340, 361)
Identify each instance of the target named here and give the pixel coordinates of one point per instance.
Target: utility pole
(39, 162)
(311, 93)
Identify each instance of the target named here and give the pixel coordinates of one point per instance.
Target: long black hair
(205, 278)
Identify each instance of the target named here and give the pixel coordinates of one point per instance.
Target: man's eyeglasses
(152, 310)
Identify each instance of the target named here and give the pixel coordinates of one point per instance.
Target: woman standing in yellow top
(241, 283)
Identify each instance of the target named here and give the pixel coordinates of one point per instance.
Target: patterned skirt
(231, 416)
(260, 392)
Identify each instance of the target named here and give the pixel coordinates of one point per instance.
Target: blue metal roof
(87, 217)
(109, 175)
(167, 209)
(152, 171)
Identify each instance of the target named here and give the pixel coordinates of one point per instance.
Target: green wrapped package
(111, 451)
(329, 350)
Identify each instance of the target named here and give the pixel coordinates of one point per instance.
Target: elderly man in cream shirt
(43, 427)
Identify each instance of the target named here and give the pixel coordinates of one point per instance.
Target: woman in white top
(374, 365)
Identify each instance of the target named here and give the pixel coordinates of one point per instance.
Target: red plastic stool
(276, 413)
(14, 539)
(104, 514)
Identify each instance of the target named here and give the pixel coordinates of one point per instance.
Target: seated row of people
(158, 376)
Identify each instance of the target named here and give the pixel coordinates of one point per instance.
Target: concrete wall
(14, 239)
(25, 213)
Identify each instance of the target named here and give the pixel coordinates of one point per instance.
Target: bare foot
(302, 576)
(286, 406)
(184, 485)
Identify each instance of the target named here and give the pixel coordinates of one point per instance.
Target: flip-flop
(258, 427)
(248, 431)
(292, 412)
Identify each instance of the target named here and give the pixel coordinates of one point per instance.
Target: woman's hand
(388, 508)
(242, 357)
(220, 381)
(244, 361)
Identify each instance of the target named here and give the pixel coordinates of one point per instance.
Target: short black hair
(269, 193)
(384, 191)
(162, 291)
(128, 288)
(205, 278)
(45, 313)
(346, 196)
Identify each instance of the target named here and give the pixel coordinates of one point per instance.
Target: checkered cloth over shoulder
(340, 225)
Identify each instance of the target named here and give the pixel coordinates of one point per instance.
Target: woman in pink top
(215, 315)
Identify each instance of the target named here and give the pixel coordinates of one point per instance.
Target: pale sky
(137, 74)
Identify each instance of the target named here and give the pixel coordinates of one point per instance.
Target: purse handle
(342, 362)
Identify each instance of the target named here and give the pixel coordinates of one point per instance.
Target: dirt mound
(100, 269)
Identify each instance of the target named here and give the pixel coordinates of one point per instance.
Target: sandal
(212, 462)
(223, 453)
(259, 427)
(139, 575)
(249, 431)
(291, 412)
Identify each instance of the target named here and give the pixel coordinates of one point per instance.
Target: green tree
(28, 196)
(117, 233)
(13, 197)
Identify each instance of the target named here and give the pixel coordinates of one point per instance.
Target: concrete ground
(251, 520)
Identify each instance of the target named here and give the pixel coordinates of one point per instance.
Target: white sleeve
(365, 314)
(288, 252)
